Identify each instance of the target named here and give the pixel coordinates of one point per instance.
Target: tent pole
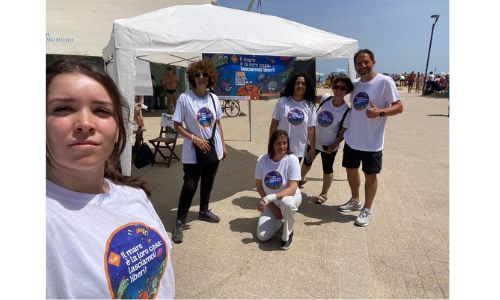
(250, 117)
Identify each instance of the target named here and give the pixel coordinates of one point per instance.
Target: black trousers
(192, 175)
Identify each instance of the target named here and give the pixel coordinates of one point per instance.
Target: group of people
(302, 130)
(94, 212)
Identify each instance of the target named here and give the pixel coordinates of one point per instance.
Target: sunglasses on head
(338, 87)
(198, 75)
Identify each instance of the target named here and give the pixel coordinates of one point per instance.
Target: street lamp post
(435, 17)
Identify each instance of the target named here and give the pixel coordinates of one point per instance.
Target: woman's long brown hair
(121, 109)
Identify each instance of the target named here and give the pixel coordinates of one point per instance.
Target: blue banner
(256, 76)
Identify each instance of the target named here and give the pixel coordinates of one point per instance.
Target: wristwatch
(381, 114)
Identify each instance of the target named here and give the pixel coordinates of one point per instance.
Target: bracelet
(192, 138)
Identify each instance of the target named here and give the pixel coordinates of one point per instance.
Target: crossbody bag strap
(215, 116)
(342, 121)
(324, 101)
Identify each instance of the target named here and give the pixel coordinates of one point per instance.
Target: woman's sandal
(321, 199)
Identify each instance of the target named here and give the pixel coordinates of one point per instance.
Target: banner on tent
(256, 76)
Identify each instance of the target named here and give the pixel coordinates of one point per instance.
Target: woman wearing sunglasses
(331, 112)
(196, 113)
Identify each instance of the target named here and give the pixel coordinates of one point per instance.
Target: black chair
(167, 140)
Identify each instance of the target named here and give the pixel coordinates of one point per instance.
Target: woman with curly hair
(196, 114)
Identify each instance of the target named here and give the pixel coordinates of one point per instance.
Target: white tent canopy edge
(179, 34)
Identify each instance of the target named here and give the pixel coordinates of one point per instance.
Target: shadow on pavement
(325, 213)
(234, 175)
(437, 115)
(249, 225)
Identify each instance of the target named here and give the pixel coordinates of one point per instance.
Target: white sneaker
(364, 218)
(350, 205)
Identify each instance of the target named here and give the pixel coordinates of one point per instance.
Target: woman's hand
(261, 205)
(201, 143)
(224, 151)
(331, 148)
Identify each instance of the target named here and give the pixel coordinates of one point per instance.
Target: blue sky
(398, 32)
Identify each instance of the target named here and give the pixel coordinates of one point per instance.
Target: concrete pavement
(403, 253)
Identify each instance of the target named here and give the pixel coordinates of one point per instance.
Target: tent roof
(179, 34)
(76, 27)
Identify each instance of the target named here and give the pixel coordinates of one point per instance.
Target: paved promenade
(403, 253)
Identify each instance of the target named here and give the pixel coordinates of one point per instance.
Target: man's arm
(395, 108)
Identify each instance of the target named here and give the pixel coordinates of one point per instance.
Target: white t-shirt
(295, 117)
(363, 133)
(199, 117)
(328, 118)
(110, 245)
(275, 175)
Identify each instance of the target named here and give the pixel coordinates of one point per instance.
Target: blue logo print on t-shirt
(136, 259)
(295, 116)
(361, 101)
(325, 118)
(273, 180)
(205, 117)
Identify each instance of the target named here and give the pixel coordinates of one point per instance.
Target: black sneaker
(177, 234)
(286, 244)
(208, 216)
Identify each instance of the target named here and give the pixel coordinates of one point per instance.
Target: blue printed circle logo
(361, 101)
(325, 118)
(136, 257)
(205, 117)
(273, 180)
(295, 116)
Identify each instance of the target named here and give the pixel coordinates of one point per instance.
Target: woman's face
(300, 87)
(81, 129)
(280, 145)
(201, 79)
(339, 89)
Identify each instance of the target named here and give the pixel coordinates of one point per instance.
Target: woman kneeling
(276, 177)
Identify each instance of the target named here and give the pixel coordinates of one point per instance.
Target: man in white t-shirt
(375, 97)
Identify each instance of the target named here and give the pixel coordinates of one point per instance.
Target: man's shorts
(372, 161)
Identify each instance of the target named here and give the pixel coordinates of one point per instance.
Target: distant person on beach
(331, 119)
(170, 83)
(295, 114)
(410, 81)
(419, 82)
(276, 176)
(375, 97)
(196, 116)
(98, 221)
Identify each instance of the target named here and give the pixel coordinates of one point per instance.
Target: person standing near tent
(295, 114)
(200, 112)
(375, 97)
(97, 220)
(332, 117)
(170, 83)
(276, 176)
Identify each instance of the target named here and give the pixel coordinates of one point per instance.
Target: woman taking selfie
(104, 238)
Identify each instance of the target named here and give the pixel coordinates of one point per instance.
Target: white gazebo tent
(178, 35)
